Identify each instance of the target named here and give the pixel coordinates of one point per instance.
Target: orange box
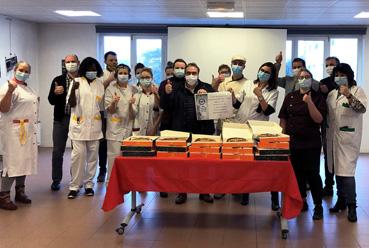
(172, 154)
(249, 144)
(238, 156)
(204, 149)
(147, 141)
(171, 141)
(274, 145)
(235, 150)
(279, 138)
(205, 155)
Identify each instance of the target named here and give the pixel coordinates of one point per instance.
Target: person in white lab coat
(19, 116)
(346, 106)
(84, 98)
(257, 101)
(119, 102)
(146, 106)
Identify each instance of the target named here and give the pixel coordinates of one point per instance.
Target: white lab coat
(343, 146)
(119, 125)
(144, 112)
(18, 159)
(89, 98)
(250, 102)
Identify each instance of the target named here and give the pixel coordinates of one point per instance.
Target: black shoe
(327, 191)
(275, 201)
(55, 186)
(318, 212)
(218, 196)
(245, 199)
(305, 207)
(206, 198)
(101, 177)
(275, 206)
(72, 194)
(163, 194)
(351, 215)
(339, 206)
(89, 192)
(181, 198)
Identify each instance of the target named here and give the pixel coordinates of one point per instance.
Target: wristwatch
(260, 98)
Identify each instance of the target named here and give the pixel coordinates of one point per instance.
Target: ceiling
(257, 12)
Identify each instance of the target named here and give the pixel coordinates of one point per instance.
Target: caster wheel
(120, 230)
(284, 234)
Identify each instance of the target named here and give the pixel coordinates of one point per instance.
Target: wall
(56, 41)
(365, 85)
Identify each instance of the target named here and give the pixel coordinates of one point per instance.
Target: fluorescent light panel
(76, 13)
(225, 14)
(362, 14)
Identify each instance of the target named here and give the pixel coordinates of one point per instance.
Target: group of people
(97, 108)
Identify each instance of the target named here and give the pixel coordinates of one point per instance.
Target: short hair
(179, 60)
(306, 70)
(147, 69)
(332, 57)
(86, 64)
(74, 55)
(224, 66)
(346, 69)
(109, 53)
(22, 62)
(169, 65)
(192, 64)
(299, 60)
(139, 66)
(272, 82)
(122, 66)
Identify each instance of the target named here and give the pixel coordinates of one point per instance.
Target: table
(202, 176)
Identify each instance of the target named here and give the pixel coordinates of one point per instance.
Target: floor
(54, 221)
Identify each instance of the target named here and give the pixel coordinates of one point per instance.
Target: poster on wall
(10, 63)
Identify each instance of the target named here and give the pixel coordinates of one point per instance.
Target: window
(312, 51)
(131, 49)
(345, 49)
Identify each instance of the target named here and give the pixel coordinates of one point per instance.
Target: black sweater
(58, 100)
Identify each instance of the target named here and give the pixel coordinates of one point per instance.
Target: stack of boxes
(237, 142)
(172, 144)
(205, 146)
(139, 146)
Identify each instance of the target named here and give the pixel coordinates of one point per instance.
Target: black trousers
(60, 137)
(306, 164)
(329, 177)
(103, 147)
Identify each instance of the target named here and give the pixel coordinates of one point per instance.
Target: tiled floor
(54, 221)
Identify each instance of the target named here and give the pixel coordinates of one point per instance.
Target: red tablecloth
(203, 176)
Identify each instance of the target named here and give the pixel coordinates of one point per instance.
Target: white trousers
(113, 152)
(84, 161)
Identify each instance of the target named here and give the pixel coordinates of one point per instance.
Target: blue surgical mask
(263, 76)
(237, 70)
(146, 82)
(21, 76)
(341, 81)
(179, 73)
(91, 74)
(305, 84)
(123, 78)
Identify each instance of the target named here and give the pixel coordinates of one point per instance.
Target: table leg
(134, 211)
(284, 222)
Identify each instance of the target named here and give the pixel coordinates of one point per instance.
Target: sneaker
(163, 194)
(55, 186)
(101, 177)
(318, 212)
(89, 192)
(245, 199)
(72, 194)
(181, 198)
(206, 198)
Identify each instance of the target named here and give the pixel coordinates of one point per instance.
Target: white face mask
(191, 80)
(123, 78)
(296, 71)
(91, 75)
(341, 80)
(329, 69)
(71, 67)
(305, 84)
(146, 82)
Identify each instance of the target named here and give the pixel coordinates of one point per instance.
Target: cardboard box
(138, 153)
(238, 157)
(264, 128)
(204, 149)
(206, 141)
(272, 157)
(267, 151)
(274, 145)
(237, 150)
(170, 138)
(137, 141)
(236, 135)
(205, 155)
(172, 154)
(171, 149)
(137, 148)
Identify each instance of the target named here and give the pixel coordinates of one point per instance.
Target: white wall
(365, 85)
(56, 41)
(210, 47)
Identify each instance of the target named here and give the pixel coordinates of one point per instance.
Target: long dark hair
(346, 69)
(86, 64)
(272, 82)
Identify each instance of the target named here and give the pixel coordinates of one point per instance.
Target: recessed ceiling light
(76, 13)
(225, 14)
(362, 14)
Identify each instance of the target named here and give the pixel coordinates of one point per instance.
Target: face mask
(341, 81)
(21, 76)
(329, 69)
(305, 84)
(169, 76)
(145, 82)
(263, 76)
(123, 78)
(296, 72)
(237, 70)
(71, 67)
(179, 73)
(91, 74)
(138, 76)
(191, 80)
(226, 75)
